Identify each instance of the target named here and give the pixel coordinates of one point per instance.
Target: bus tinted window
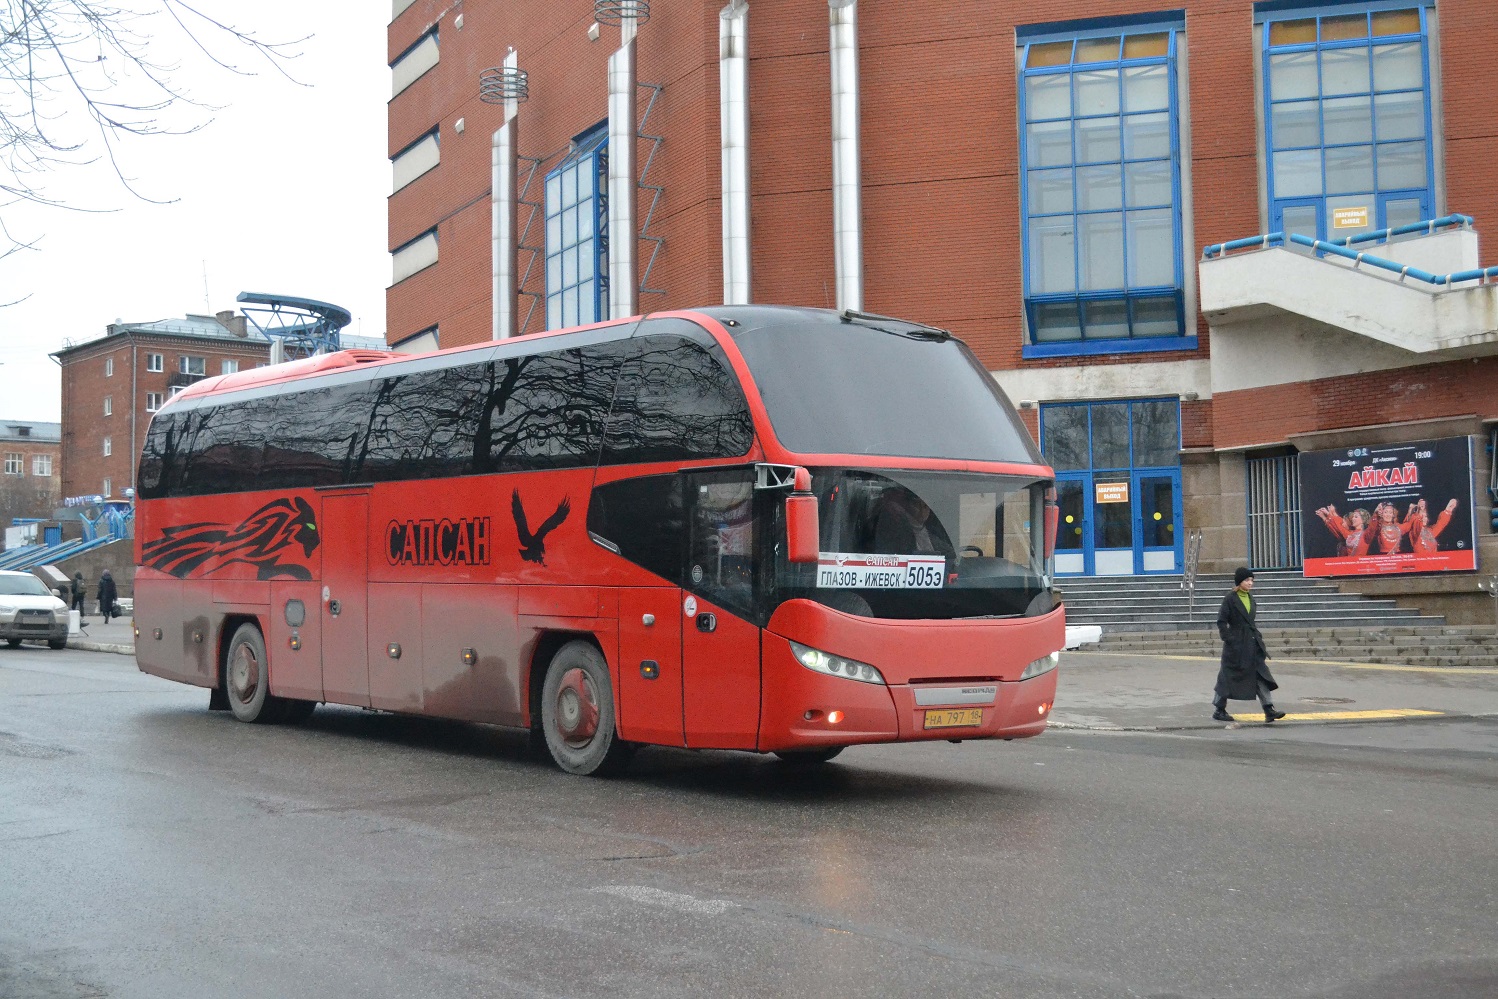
(545, 410)
(676, 401)
(832, 387)
(510, 414)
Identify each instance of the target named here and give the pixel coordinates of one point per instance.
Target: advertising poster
(1397, 508)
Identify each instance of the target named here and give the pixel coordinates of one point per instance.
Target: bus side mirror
(1052, 522)
(802, 531)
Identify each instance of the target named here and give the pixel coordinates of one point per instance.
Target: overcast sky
(282, 192)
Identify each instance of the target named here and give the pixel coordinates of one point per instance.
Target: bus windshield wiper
(920, 331)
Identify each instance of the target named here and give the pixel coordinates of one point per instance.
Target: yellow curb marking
(1343, 715)
(1387, 667)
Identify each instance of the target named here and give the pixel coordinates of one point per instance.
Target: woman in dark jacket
(1244, 674)
(107, 595)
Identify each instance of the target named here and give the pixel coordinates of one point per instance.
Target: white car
(28, 610)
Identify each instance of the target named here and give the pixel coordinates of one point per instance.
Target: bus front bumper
(804, 709)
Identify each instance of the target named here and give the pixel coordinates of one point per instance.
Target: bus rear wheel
(808, 757)
(577, 713)
(247, 679)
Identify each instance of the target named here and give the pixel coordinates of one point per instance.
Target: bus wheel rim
(577, 709)
(244, 674)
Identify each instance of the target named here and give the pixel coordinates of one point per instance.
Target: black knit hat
(1242, 573)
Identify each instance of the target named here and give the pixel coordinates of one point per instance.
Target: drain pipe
(623, 279)
(733, 113)
(847, 210)
(508, 86)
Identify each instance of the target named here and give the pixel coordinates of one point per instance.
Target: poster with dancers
(1396, 508)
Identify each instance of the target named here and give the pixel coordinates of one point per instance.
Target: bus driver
(904, 525)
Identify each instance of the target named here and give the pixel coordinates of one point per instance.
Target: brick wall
(28, 494)
(1429, 391)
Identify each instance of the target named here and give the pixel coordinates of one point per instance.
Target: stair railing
(1188, 577)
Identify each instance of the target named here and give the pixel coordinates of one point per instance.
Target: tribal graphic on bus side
(259, 540)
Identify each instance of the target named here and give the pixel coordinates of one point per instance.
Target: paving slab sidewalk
(1130, 692)
(96, 636)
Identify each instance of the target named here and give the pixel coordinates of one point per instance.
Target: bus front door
(650, 665)
(345, 604)
(719, 648)
(720, 676)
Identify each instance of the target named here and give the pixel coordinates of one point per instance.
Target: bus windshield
(932, 545)
(880, 388)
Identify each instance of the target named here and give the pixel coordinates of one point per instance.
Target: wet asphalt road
(149, 848)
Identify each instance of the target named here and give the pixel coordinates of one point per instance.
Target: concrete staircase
(1300, 618)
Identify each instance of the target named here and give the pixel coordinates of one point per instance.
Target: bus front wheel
(247, 678)
(577, 713)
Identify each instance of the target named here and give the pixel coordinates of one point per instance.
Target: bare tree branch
(79, 79)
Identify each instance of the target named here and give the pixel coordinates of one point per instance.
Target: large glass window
(1100, 185)
(1122, 435)
(577, 230)
(1347, 119)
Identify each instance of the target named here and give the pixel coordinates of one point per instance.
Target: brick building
(30, 476)
(1044, 190)
(111, 385)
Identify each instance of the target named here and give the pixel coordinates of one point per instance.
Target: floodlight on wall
(498, 84)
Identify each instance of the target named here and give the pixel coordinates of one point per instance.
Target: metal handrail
(1429, 227)
(1264, 242)
(1188, 576)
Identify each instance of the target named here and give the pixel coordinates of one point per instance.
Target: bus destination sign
(839, 571)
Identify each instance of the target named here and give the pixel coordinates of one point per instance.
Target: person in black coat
(107, 596)
(1244, 673)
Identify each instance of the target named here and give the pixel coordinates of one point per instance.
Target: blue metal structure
(305, 326)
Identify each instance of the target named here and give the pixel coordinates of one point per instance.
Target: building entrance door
(1118, 485)
(1158, 510)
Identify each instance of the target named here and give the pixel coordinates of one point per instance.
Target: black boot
(1271, 715)
(1220, 711)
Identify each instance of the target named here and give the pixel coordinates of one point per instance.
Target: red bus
(757, 528)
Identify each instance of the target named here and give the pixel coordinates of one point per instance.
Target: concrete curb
(86, 646)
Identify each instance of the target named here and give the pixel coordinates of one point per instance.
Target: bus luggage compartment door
(345, 605)
(650, 665)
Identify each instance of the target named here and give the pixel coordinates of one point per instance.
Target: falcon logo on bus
(464, 541)
(533, 546)
(259, 540)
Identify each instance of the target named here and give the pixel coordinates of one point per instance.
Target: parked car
(28, 610)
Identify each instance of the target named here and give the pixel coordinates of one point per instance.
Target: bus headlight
(1040, 666)
(821, 662)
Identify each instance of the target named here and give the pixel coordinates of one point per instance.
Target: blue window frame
(1347, 116)
(577, 233)
(1101, 188)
